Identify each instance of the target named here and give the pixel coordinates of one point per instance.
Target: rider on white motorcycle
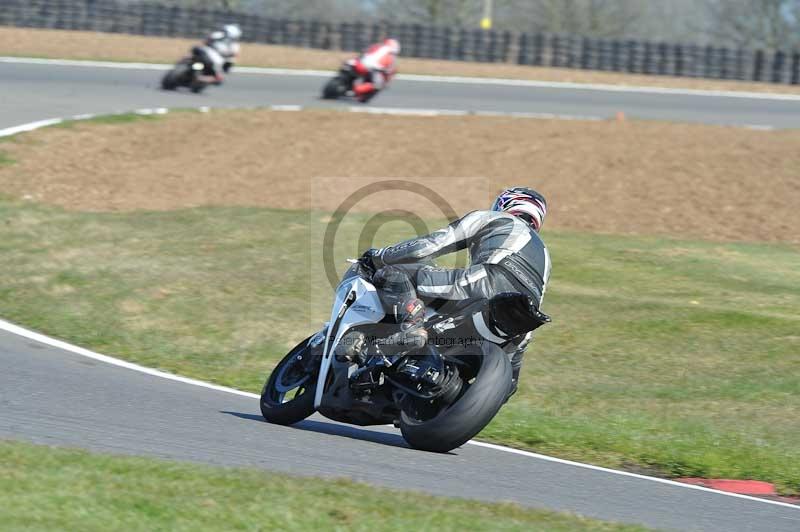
(219, 52)
(507, 258)
(376, 67)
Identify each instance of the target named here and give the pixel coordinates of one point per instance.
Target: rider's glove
(372, 259)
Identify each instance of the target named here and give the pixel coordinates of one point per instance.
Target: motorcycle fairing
(356, 303)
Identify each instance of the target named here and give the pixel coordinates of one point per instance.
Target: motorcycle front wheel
(172, 79)
(288, 394)
(483, 393)
(335, 88)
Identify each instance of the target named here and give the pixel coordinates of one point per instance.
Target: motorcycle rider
(219, 52)
(507, 259)
(375, 67)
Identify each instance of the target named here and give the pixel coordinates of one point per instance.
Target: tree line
(764, 24)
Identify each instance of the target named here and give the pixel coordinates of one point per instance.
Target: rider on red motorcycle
(375, 67)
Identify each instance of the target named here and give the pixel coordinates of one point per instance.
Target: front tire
(457, 423)
(174, 78)
(288, 395)
(335, 88)
(197, 86)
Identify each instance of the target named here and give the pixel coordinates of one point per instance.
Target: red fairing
(359, 67)
(363, 89)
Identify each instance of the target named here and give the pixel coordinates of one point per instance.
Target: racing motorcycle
(440, 392)
(341, 84)
(192, 72)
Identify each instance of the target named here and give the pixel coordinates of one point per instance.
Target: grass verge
(57, 489)
(63, 44)
(675, 356)
(112, 119)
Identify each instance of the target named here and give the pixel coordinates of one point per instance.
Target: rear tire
(196, 85)
(458, 423)
(274, 406)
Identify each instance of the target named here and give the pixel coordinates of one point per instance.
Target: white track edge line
(59, 344)
(39, 124)
(434, 79)
(65, 346)
(627, 473)
(397, 111)
(7, 132)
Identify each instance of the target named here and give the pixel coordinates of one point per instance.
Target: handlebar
(365, 271)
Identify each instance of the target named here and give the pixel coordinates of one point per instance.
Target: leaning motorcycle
(189, 73)
(440, 393)
(342, 83)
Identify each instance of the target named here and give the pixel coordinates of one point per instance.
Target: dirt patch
(116, 47)
(642, 178)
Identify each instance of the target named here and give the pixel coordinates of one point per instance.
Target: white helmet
(525, 203)
(216, 36)
(394, 46)
(233, 31)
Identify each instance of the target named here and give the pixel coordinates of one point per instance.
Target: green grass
(5, 158)
(57, 489)
(119, 118)
(675, 357)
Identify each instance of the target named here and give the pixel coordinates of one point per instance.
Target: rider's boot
(412, 334)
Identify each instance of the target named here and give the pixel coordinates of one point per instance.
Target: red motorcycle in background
(342, 84)
(365, 76)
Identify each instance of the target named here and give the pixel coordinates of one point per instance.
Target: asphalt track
(30, 92)
(53, 396)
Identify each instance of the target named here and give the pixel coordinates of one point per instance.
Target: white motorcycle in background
(440, 394)
(196, 72)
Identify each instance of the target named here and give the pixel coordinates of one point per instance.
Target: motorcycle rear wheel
(197, 86)
(458, 422)
(367, 97)
(288, 395)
